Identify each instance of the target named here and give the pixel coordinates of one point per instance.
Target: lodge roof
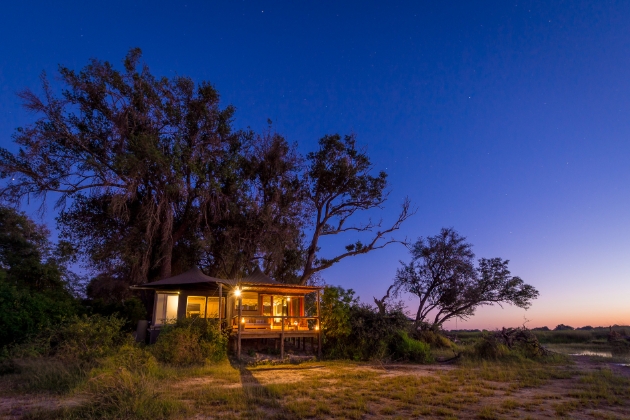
(192, 276)
(257, 280)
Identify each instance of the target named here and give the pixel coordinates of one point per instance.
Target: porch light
(288, 298)
(242, 320)
(237, 292)
(316, 327)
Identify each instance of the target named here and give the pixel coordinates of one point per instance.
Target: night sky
(508, 121)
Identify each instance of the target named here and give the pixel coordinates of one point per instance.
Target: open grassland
(587, 388)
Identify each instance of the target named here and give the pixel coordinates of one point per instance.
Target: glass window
(196, 307)
(166, 308)
(279, 306)
(295, 306)
(213, 307)
(266, 302)
(250, 302)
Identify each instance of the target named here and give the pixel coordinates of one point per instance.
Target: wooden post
(319, 329)
(220, 302)
(282, 339)
(239, 323)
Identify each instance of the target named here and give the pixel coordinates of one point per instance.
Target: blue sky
(505, 120)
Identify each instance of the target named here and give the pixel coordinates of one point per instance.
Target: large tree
(340, 184)
(147, 167)
(443, 275)
(151, 178)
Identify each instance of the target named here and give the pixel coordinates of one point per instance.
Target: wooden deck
(257, 333)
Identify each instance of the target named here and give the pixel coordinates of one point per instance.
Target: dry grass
(517, 389)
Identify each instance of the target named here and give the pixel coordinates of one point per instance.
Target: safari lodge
(255, 307)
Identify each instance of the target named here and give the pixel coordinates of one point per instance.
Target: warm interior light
(316, 327)
(288, 299)
(237, 292)
(242, 320)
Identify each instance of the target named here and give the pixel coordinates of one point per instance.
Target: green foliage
(572, 336)
(357, 332)
(189, 342)
(34, 293)
(335, 312)
(24, 312)
(509, 343)
(435, 339)
(489, 348)
(47, 374)
(130, 310)
(82, 338)
(406, 348)
(129, 356)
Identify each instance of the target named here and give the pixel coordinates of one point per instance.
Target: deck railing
(276, 323)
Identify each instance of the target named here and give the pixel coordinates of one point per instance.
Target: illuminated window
(250, 301)
(213, 307)
(279, 306)
(196, 307)
(266, 302)
(166, 308)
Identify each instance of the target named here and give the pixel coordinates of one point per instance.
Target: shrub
(435, 339)
(518, 343)
(190, 341)
(49, 375)
(122, 394)
(130, 310)
(354, 331)
(489, 348)
(60, 358)
(84, 338)
(133, 358)
(407, 349)
(25, 312)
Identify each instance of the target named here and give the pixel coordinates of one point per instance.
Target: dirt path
(15, 407)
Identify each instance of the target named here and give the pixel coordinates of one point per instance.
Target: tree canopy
(443, 275)
(151, 178)
(35, 284)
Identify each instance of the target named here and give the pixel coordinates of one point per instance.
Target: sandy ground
(536, 402)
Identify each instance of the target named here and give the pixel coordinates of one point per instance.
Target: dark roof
(196, 276)
(258, 277)
(192, 276)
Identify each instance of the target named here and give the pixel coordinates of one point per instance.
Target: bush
(25, 312)
(122, 394)
(49, 375)
(131, 357)
(130, 310)
(354, 331)
(84, 338)
(60, 358)
(190, 341)
(406, 348)
(435, 339)
(489, 348)
(518, 343)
